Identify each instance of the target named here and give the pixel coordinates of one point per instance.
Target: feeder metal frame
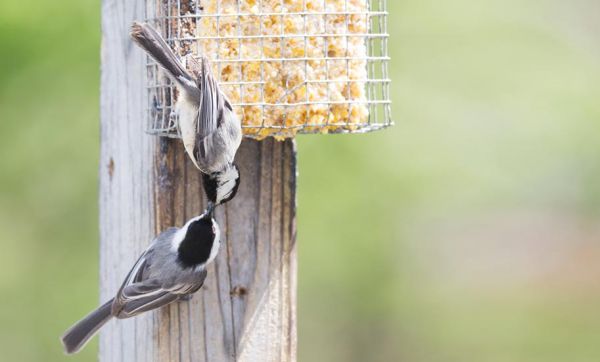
(163, 119)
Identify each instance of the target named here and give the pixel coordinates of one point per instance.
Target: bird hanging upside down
(210, 129)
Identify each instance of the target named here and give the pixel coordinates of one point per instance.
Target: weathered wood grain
(246, 311)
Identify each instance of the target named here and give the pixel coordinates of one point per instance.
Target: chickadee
(210, 129)
(171, 268)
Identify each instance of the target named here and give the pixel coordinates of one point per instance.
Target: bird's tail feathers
(76, 337)
(154, 44)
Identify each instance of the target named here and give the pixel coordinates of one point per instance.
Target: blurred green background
(468, 232)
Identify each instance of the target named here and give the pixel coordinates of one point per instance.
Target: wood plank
(125, 172)
(246, 311)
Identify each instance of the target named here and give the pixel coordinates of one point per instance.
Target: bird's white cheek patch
(177, 239)
(217, 243)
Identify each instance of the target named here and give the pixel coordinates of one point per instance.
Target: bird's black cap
(197, 244)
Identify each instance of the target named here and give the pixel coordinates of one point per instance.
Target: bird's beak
(210, 209)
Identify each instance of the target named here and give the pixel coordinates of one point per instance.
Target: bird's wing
(141, 296)
(139, 290)
(145, 304)
(137, 274)
(151, 294)
(211, 110)
(137, 271)
(189, 288)
(154, 287)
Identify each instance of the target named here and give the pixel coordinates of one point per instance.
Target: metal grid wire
(343, 102)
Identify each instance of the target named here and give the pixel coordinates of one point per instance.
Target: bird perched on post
(210, 129)
(171, 268)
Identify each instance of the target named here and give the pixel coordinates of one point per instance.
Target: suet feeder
(289, 67)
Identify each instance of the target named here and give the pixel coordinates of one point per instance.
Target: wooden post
(247, 309)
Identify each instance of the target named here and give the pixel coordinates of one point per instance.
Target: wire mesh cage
(287, 66)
